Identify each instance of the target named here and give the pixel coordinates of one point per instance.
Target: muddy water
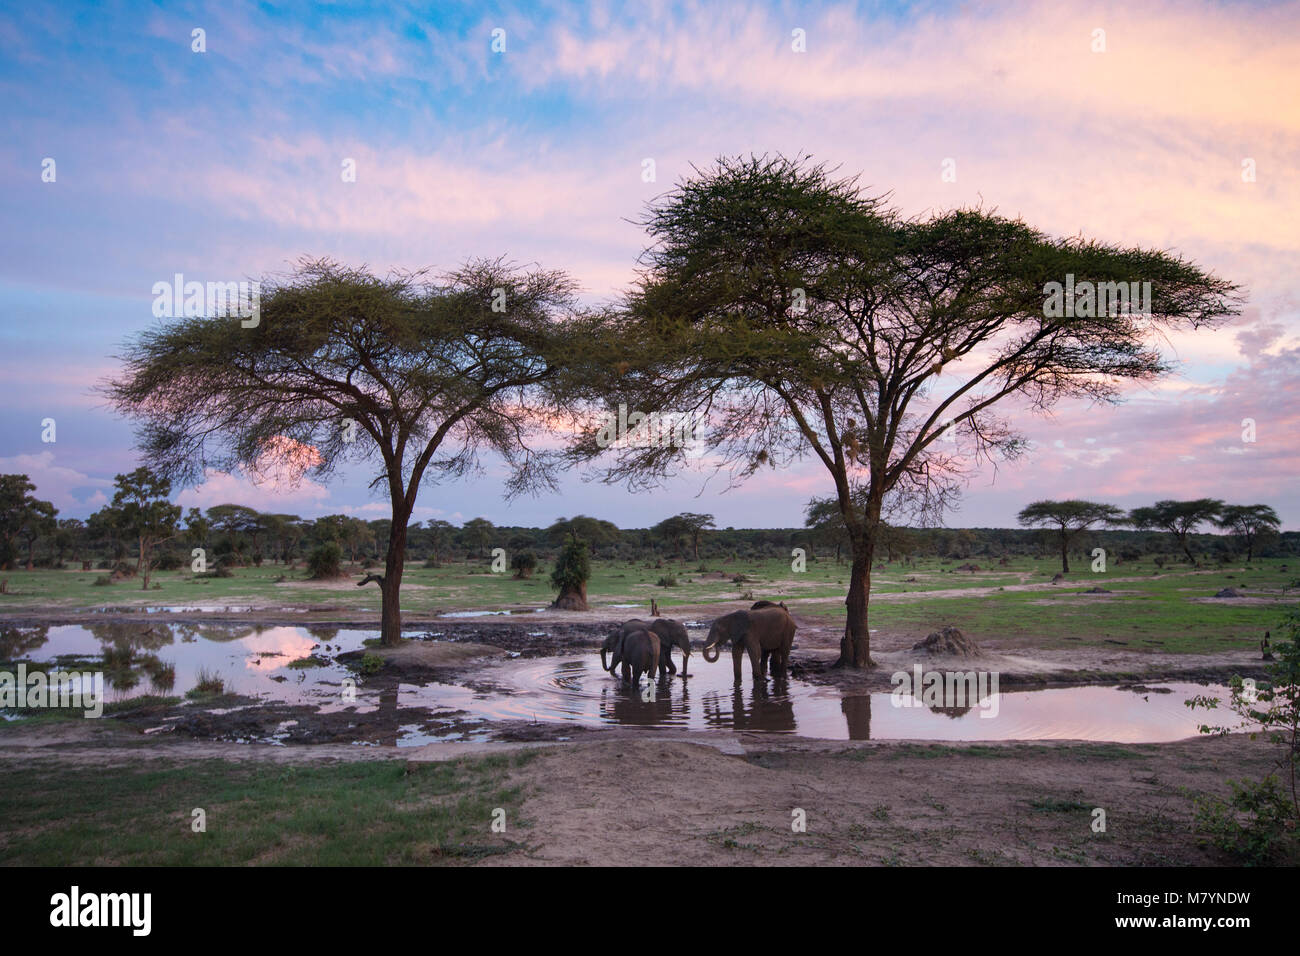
(150, 657)
(575, 689)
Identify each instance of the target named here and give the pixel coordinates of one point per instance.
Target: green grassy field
(364, 813)
(1148, 608)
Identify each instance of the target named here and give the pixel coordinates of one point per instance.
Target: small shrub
(308, 662)
(524, 564)
(1261, 820)
(325, 562)
(207, 683)
(371, 663)
(102, 581)
(667, 581)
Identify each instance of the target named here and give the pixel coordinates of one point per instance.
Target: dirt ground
(637, 796)
(627, 797)
(673, 803)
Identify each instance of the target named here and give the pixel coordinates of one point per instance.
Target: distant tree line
(140, 530)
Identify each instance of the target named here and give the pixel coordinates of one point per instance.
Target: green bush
(325, 562)
(572, 567)
(524, 564)
(1260, 822)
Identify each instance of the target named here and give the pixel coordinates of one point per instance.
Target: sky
(1177, 126)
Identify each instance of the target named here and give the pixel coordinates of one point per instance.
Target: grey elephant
(640, 655)
(764, 632)
(671, 634)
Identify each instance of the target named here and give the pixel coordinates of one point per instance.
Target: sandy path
(674, 803)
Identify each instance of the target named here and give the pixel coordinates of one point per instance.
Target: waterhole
(256, 661)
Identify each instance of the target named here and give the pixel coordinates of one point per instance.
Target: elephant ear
(672, 633)
(738, 625)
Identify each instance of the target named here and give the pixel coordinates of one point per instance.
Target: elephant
(671, 634)
(640, 655)
(765, 632)
(611, 651)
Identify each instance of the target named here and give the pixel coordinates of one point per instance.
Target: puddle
(155, 657)
(177, 609)
(518, 610)
(166, 658)
(576, 689)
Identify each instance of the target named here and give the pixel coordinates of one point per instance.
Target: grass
(206, 684)
(362, 813)
(1154, 611)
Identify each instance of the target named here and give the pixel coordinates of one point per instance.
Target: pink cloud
(220, 488)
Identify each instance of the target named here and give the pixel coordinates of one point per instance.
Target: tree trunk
(1065, 553)
(390, 628)
(572, 599)
(855, 645)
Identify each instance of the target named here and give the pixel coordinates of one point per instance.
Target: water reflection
(153, 657)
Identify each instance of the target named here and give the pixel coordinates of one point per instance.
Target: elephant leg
(627, 671)
(766, 656)
(737, 653)
(755, 663)
(668, 658)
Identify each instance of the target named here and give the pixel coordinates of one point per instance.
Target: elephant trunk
(717, 652)
(604, 663)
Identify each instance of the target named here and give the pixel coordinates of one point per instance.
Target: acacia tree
(418, 375)
(16, 502)
(236, 522)
(796, 316)
(672, 531)
(597, 533)
(479, 532)
(40, 521)
(696, 525)
(143, 511)
(1249, 522)
(1179, 518)
(1068, 518)
(438, 534)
